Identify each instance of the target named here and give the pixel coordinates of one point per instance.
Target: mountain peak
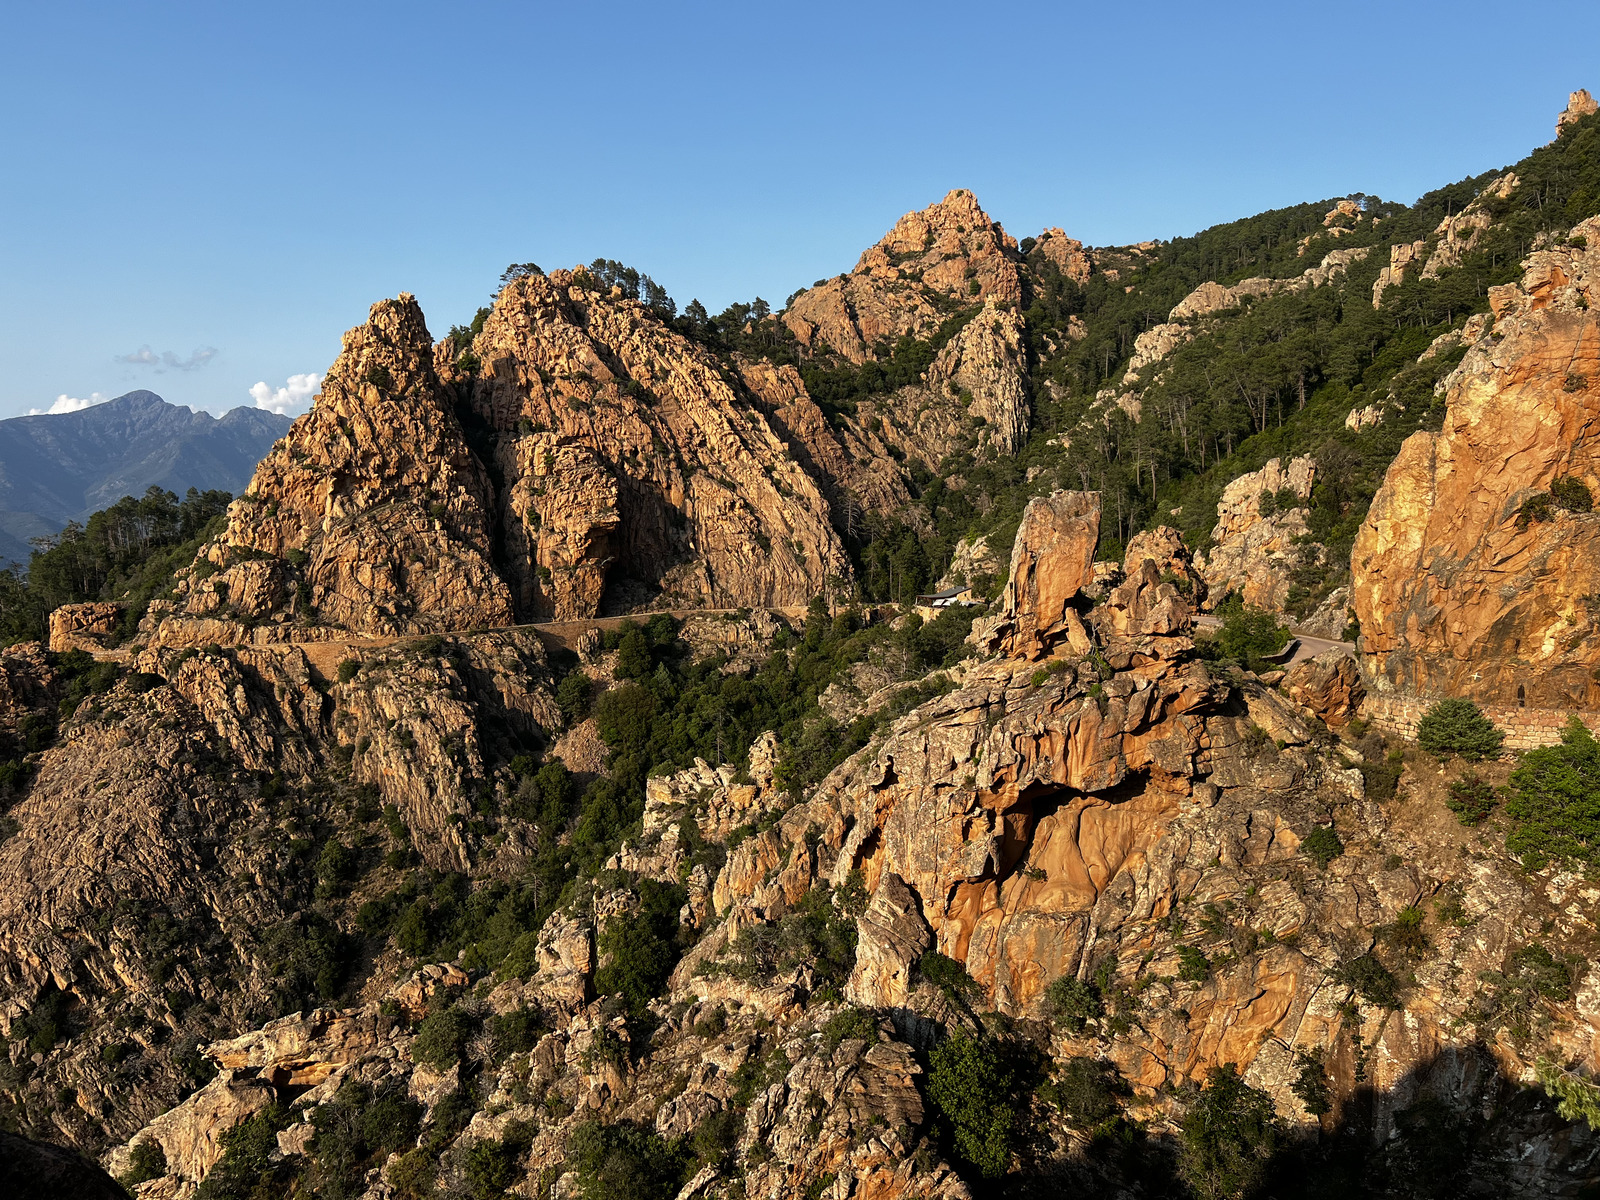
(1579, 105)
(950, 249)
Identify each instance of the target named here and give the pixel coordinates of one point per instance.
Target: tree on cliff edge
(1229, 1138)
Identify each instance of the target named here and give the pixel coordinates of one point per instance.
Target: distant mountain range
(63, 467)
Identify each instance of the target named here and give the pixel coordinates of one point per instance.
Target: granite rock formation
(951, 250)
(1252, 553)
(710, 508)
(1461, 586)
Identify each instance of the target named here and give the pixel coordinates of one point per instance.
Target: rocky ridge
(1088, 802)
(950, 251)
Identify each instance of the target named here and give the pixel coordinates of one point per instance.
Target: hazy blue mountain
(62, 467)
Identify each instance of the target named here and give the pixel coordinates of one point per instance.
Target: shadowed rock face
(32, 1170)
(1455, 594)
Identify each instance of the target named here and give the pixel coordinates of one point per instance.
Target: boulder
(892, 937)
(1052, 561)
(1164, 546)
(1328, 686)
(83, 626)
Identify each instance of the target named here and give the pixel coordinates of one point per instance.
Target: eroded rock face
(1068, 254)
(378, 488)
(951, 247)
(1328, 686)
(1165, 547)
(1255, 554)
(893, 937)
(1580, 104)
(852, 465)
(642, 459)
(562, 511)
(83, 626)
(1456, 595)
(986, 361)
(1052, 561)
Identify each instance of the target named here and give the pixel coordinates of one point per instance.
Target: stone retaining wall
(1525, 728)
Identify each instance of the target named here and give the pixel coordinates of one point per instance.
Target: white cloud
(69, 404)
(294, 399)
(167, 360)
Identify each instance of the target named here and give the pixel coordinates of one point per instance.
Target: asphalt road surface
(1309, 647)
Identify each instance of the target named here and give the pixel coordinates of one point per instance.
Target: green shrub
(443, 1036)
(1084, 1091)
(412, 1174)
(337, 865)
(357, 1130)
(1406, 934)
(1370, 980)
(1572, 494)
(946, 974)
(1381, 777)
(711, 1024)
(1311, 1083)
(490, 1166)
(624, 1162)
(1471, 799)
(1513, 998)
(1457, 726)
(814, 934)
(146, 1161)
(849, 1024)
(1073, 1003)
(348, 670)
(1554, 802)
(308, 960)
(1537, 507)
(715, 1138)
(971, 1083)
(1230, 1135)
(1193, 966)
(1322, 845)
(46, 1023)
(572, 696)
(517, 1031)
(642, 948)
(1246, 637)
(250, 1166)
(1577, 1098)
(633, 655)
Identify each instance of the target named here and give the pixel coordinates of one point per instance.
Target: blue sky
(199, 198)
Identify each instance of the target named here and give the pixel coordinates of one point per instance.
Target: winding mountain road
(1307, 647)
